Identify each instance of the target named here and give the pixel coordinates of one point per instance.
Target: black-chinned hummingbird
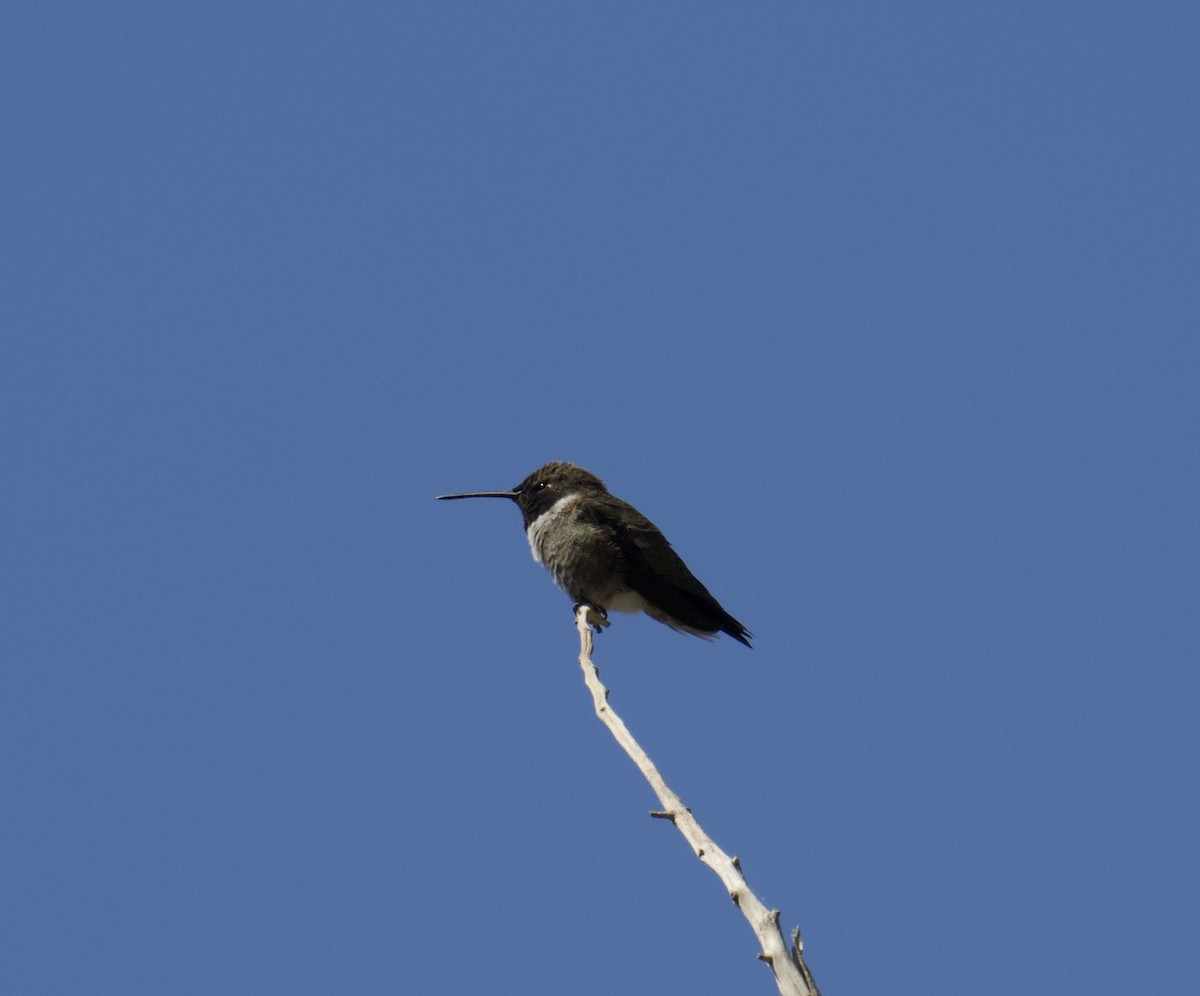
(604, 553)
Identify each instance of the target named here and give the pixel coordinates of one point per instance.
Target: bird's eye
(541, 486)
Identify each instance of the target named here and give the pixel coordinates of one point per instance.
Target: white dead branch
(791, 973)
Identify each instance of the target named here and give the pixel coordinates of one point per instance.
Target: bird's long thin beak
(481, 494)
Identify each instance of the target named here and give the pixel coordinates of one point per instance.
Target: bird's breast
(541, 531)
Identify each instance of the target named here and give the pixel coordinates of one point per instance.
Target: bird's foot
(596, 617)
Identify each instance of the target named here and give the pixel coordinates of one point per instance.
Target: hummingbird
(604, 553)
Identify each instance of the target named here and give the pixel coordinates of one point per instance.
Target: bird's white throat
(536, 532)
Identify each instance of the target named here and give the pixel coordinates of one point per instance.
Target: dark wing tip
(738, 632)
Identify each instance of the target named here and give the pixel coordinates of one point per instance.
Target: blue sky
(886, 314)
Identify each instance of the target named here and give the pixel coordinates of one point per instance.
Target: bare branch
(791, 973)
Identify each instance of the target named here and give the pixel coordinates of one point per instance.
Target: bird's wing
(656, 572)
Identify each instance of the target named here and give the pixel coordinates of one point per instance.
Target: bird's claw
(596, 617)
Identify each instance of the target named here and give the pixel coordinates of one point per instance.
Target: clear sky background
(887, 314)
